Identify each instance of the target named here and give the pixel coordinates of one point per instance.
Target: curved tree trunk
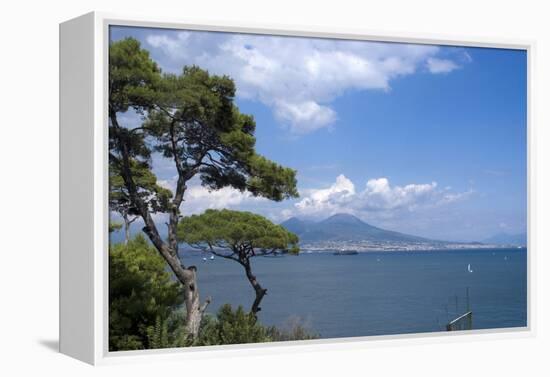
(192, 303)
(187, 276)
(168, 250)
(260, 292)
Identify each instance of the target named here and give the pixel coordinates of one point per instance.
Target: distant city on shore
(344, 232)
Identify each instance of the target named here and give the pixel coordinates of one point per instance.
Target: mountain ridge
(345, 227)
(519, 239)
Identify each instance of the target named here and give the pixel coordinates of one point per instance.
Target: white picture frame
(84, 179)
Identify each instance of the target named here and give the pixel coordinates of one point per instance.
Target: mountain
(344, 227)
(507, 239)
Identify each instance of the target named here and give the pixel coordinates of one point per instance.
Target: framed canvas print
(226, 188)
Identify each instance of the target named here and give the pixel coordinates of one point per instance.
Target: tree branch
(205, 304)
(211, 250)
(150, 227)
(180, 190)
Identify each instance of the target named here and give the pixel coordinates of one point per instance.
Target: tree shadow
(52, 345)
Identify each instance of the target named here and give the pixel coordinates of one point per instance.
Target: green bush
(143, 299)
(231, 327)
(169, 332)
(293, 329)
(239, 326)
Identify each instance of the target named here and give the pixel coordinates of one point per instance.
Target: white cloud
(453, 197)
(171, 45)
(297, 77)
(378, 196)
(309, 115)
(169, 184)
(198, 199)
(329, 199)
(436, 65)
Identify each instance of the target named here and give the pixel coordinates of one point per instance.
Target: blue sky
(427, 140)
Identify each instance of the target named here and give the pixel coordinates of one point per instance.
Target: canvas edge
(76, 191)
(102, 356)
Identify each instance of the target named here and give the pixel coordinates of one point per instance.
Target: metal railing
(464, 322)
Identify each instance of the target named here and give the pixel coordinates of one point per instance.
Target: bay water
(376, 293)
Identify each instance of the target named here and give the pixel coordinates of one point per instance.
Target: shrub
(143, 299)
(231, 327)
(239, 326)
(293, 329)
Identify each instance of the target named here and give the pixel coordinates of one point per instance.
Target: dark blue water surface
(377, 293)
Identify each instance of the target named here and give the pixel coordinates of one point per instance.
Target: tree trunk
(192, 303)
(126, 229)
(260, 292)
(187, 276)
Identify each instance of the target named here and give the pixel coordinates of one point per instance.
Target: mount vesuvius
(344, 227)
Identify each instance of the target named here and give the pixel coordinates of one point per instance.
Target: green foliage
(212, 137)
(271, 180)
(232, 327)
(150, 192)
(169, 332)
(237, 326)
(190, 118)
(238, 236)
(133, 76)
(293, 329)
(141, 295)
(157, 335)
(236, 230)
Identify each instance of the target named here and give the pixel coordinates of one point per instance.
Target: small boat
(204, 259)
(346, 252)
(470, 268)
(211, 257)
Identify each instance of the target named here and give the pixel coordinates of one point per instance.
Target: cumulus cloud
(378, 196)
(436, 65)
(305, 116)
(297, 78)
(329, 199)
(172, 45)
(198, 198)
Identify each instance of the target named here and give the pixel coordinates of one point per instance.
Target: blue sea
(376, 293)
